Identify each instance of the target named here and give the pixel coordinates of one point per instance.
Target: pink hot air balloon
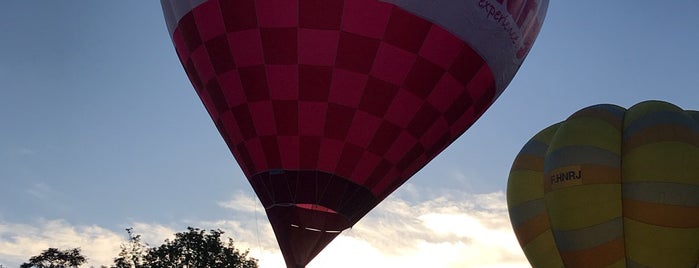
(330, 105)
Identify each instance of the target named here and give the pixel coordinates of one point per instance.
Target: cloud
(153, 234)
(450, 229)
(18, 242)
(25, 151)
(447, 231)
(242, 202)
(41, 190)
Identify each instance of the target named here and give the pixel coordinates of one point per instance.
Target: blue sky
(100, 130)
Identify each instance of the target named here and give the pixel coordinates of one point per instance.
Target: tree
(132, 253)
(55, 258)
(197, 248)
(194, 248)
(190, 249)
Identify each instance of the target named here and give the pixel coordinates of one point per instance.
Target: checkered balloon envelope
(330, 105)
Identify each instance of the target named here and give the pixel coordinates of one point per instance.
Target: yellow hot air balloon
(610, 187)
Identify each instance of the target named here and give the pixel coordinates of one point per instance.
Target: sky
(100, 130)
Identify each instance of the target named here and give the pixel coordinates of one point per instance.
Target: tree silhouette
(197, 248)
(55, 258)
(190, 249)
(194, 248)
(132, 253)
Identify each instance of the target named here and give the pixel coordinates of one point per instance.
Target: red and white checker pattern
(330, 105)
(501, 31)
(332, 85)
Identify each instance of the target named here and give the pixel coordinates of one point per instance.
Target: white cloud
(243, 203)
(25, 151)
(450, 230)
(447, 231)
(18, 242)
(153, 233)
(41, 190)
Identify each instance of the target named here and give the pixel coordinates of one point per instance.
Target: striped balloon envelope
(610, 187)
(328, 106)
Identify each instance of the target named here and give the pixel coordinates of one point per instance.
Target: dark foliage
(132, 253)
(190, 249)
(194, 248)
(55, 258)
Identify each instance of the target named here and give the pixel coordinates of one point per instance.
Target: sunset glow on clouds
(446, 231)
